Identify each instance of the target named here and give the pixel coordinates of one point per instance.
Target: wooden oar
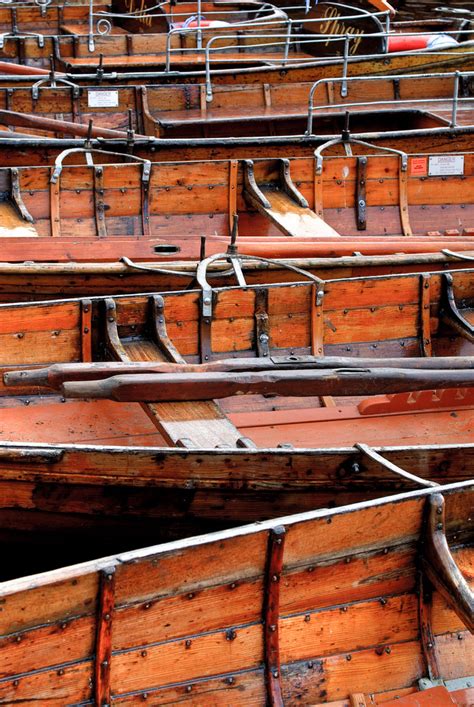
(54, 376)
(210, 386)
(36, 122)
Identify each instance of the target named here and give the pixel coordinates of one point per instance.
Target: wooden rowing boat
(376, 203)
(231, 616)
(422, 104)
(268, 44)
(271, 334)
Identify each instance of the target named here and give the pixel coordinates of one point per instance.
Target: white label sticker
(445, 165)
(102, 99)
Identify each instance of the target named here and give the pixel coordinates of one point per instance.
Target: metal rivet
(230, 681)
(191, 595)
(310, 664)
(273, 628)
(188, 643)
(388, 649)
(275, 673)
(307, 618)
(348, 657)
(188, 688)
(143, 654)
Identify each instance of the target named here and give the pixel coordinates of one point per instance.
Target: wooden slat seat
(177, 118)
(157, 59)
(82, 28)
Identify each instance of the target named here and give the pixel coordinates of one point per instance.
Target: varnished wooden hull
(177, 111)
(192, 620)
(349, 320)
(68, 212)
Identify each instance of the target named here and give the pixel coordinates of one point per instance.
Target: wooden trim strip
(233, 169)
(425, 605)
(318, 191)
(55, 214)
(150, 125)
(271, 611)
(404, 214)
(425, 301)
(103, 641)
(86, 330)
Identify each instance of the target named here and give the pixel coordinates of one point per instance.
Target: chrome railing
(454, 98)
(296, 41)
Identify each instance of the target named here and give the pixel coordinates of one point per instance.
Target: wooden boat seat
(176, 118)
(12, 224)
(284, 205)
(82, 28)
(158, 59)
(187, 424)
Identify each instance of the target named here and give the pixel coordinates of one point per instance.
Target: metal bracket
(440, 566)
(252, 193)
(288, 185)
(271, 612)
(161, 334)
(361, 193)
(114, 346)
(205, 323)
(99, 204)
(17, 198)
(145, 196)
(262, 336)
(449, 312)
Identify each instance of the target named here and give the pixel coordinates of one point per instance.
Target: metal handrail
(301, 39)
(455, 98)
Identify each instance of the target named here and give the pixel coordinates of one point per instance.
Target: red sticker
(419, 166)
